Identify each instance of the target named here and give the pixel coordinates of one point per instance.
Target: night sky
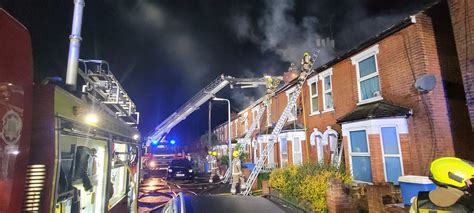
(163, 52)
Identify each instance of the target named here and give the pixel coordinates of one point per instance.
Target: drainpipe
(74, 45)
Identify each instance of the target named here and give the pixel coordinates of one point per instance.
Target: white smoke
(277, 31)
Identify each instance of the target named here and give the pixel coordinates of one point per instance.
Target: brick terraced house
(366, 100)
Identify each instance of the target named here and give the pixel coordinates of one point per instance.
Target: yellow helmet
(235, 154)
(306, 54)
(452, 171)
(214, 153)
(209, 152)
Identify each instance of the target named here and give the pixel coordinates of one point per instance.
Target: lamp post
(229, 137)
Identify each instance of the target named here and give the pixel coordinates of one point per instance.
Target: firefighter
(306, 61)
(454, 191)
(212, 160)
(208, 159)
(237, 177)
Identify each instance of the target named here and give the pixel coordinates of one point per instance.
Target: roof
(379, 109)
(367, 43)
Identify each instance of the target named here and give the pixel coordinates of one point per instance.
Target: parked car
(180, 169)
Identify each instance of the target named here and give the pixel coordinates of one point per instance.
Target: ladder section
(247, 137)
(307, 69)
(103, 88)
(189, 107)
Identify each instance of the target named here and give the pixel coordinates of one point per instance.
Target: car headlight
(152, 164)
(170, 170)
(190, 171)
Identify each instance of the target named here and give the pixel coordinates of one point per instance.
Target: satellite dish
(425, 83)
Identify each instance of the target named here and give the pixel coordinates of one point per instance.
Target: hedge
(307, 184)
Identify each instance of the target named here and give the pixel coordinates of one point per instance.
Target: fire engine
(63, 151)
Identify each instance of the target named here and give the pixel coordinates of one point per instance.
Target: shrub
(307, 183)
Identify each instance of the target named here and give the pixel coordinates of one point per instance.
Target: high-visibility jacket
(236, 167)
(423, 204)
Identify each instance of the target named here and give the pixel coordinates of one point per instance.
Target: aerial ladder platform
(205, 95)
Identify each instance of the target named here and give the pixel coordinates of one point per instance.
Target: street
(155, 191)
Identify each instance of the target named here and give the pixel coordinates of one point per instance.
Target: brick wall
(462, 19)
(337, 200)
(378, 196)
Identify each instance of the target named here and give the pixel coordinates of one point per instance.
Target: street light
(229, 137)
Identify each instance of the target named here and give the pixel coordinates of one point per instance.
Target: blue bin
(410, 185)
(249, 166)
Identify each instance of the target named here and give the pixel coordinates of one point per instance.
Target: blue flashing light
(172, 142)
(154, 142)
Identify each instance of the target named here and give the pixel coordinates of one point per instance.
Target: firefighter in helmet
(455, 188)
(237, 177)
(306, 64)
(212, 160)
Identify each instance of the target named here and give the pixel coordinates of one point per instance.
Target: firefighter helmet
(451, 171)
(306, 54)
(214, 153)
(235, 154)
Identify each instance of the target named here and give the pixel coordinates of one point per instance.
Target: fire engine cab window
(118, 173)
(82, 171)
(368, 79)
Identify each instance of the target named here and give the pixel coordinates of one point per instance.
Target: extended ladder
(247, 137)
(278, 127)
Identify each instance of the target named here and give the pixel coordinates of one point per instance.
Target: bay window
(360, 156)
(391, 154)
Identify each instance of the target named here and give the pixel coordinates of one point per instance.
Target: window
(367, 75)
(269, 114)
(293, 114)
(255, 116)
(327, 90)
(313, 94)
(297, 158)
(246, 121)
(391, 153)
(360, 156)
(283, 152)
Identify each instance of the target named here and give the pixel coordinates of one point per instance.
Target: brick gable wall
(462, 19)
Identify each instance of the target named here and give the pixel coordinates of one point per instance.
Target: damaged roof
(379, 109)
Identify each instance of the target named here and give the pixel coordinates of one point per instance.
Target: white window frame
(322, 76)
(269, 114)
(246, 121)
(372, 51)
(359, 154)
(281, 157)
(399, 155)
(254, 116)
(291, 117)
(313, 80)
(293, 142)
